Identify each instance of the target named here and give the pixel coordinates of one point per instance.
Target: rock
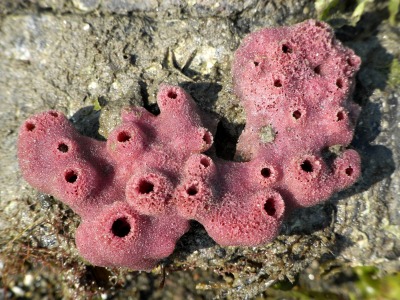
(125, 6)
(86, 5)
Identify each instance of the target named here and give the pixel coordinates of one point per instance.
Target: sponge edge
(246, 219)
(124, 238)
(137, 192)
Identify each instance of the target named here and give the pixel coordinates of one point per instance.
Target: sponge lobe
(297, 82)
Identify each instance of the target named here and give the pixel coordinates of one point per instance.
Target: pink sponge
(296, 82)
(137, 191)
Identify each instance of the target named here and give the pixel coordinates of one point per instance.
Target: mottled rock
(51, 4)
(125, 6)
(86, 5)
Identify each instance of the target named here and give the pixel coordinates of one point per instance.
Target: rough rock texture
(58, 57)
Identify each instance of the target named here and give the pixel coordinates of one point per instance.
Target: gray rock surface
(86, 5)
(72, 55)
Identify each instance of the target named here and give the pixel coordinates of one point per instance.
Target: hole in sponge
(62, 148)
(192, 190)
(145, 187)
(350, 62)
(286, 49)
(256, 63)
(277, 83)
(340, 116)
(30, 126)
(339, 83)
(207, 138)
(71, 176)
(269, 207)
(317, 70)
(171, 94)
(266, 172)
(123, 137)
(121, 227)
(54, 114)
(349, 171)
(205, 162)
(306, 166)
(296, 114)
